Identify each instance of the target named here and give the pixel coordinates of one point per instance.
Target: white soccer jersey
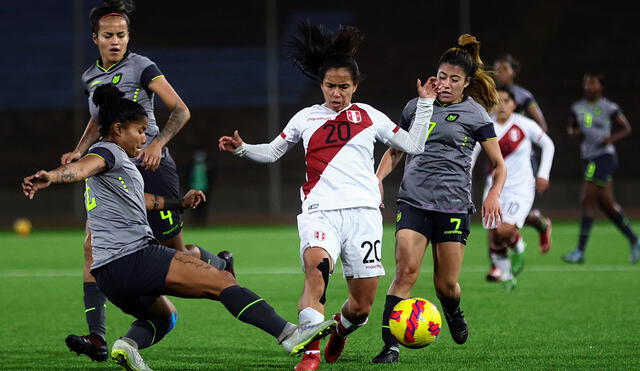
(515, 137)
(339, 155)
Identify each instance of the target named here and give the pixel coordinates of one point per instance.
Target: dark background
(214, 54)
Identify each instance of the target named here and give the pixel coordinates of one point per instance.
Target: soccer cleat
(517, 263)
(91, 345)
(127, 356)
(457, 326)
(545, 237)
(304, 334)
(510, 285)
(387, 355)
(309, 362)
(635, 252)
(494, 274)
(227, 257)
(574, 257)
(335, 345)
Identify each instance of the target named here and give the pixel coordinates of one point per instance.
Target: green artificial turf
(560, 316)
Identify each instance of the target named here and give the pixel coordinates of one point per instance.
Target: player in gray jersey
(133, 270)
(599, 123)
(506, 69)
(140, 79)
(434, 200)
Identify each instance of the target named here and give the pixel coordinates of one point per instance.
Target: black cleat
(91, 345)
(457, 326)
(387, 355)
(227, 257)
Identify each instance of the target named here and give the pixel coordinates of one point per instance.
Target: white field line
(46, 273)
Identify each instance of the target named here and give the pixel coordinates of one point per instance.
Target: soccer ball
(22, 227)
(415, 322)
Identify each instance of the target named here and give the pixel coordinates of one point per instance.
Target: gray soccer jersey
(439, 179)
(523, 98)
(114, 200)
(132, 76)
(594, 120)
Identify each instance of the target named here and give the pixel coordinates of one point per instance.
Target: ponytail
(467, 55)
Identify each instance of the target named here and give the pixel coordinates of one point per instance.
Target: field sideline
(560, 316)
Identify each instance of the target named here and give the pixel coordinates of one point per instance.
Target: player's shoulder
(609, 104)
(519, 90)
(367, 108)
(478, 112)
(522, 120)
(411, 105)
(578, 103)
(310, 113)
(139, 60)
(115, 149)
(90, 73)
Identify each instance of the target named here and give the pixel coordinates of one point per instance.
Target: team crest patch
(320, 236)
(354, 116)
(116, 79)
(452, 117)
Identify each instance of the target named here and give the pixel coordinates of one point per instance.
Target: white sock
(519, 245)
(309, 316)
(504, 265)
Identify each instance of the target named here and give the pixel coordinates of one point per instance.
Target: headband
(116, 14)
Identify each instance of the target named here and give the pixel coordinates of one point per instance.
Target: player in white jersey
(516, 134)
(340, 216)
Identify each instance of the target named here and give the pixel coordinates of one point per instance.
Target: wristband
(173, 204)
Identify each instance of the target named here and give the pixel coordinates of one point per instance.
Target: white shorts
(516, 203)
(354, 235)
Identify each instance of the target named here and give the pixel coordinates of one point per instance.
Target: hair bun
(122, 5)
(107, 95)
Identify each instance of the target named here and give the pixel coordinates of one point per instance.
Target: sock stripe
(383, 326)
(247, 307)
(89, 309)
(153, 338)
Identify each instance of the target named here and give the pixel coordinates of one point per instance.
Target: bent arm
(623, 128)
(413, 141)
(546, 156)
(179, 112)
(82, 169)
(492, 150)
(388, 162)
(265, 153)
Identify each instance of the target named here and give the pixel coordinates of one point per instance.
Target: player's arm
(546, 159)
(91, 135)
(534, 111)
(178, 117)
(491, 212)
(192, 199)
(388, 162)
(622, 129)
(70, 173)
(573, 129)
(413, 140)
(265, 153)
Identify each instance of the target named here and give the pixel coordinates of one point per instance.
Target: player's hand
(193, 198)
(381, 194)
(541, 185)
(230, 144)
(70, 157)
(150, 156)
(35, 182)
(429, 89)
(606, 141)
(491, 212)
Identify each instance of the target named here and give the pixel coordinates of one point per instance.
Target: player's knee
(406, 275)
(318, 278)
(504, 234)
(445, 287)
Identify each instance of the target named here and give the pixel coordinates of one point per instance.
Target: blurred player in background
(434, 200)
(506, 68)
(516, 134)
(599, 123)
(140, 80)
(132, 269)
(340, 216)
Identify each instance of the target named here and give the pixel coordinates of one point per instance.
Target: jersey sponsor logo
(354, 116)
(116, 79)
(511, 140)
(320, 236)
(452, 117)
(313, 206)
(318, 118)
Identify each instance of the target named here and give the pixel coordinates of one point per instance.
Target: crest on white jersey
(514, 134)
(354, 116)
(320, 236)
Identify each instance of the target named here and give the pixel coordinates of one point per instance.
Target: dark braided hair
(316, 49)
(124, 7)
(114, 108)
